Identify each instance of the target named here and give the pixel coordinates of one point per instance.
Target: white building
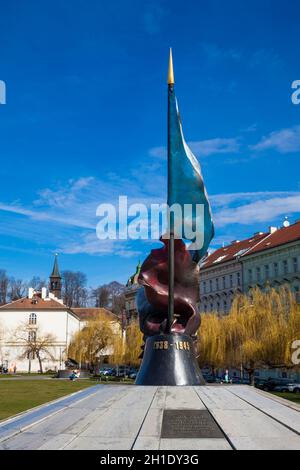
(35, 315)
(39, 315)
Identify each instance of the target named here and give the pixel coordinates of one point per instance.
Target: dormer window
(32, 319)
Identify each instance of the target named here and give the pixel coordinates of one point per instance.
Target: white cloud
(90, 244)
(215, 146)
(152, 18)
(158, 152)
(203, 148)
(265, 208)
(284, 141)
(218, 53)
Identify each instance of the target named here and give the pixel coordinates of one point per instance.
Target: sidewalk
(130, 417)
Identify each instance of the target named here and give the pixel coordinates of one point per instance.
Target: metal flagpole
(171, 215)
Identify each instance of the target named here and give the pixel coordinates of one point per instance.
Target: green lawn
(20, 395)
(295, 397)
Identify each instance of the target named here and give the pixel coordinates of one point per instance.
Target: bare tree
(37, 283)
(4, 281)
(34, 343)
(17, 289)
(101, 296)
(118, 304)
(74, 291)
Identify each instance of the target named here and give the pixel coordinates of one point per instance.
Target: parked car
(295, 387)
(269, 385)
(239, 380)
(105, 370)
(281, 388)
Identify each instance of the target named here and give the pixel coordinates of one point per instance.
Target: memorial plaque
(191, 424)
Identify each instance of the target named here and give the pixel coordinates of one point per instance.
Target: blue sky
(85, 121)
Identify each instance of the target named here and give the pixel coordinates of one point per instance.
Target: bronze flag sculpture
(169, 295)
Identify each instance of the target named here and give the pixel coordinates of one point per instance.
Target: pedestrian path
(130, 417)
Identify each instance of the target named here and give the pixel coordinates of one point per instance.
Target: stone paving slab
(109, 417)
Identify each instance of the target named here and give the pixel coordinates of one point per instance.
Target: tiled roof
(34, 304)
(232, 251)
(280, 237)
(89, 313)
(259, 242)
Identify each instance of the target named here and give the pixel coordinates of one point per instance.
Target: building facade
(275, 261)
(267, 259)
(33, 317)
(130, 292)
(221, 275)
(37, 316)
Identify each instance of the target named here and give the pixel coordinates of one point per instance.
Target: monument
(169, 294)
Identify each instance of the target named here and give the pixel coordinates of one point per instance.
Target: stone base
(169, 360)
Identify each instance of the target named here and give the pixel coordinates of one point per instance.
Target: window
(267, 271)
(31, 335)
(210, 285)
(211, 307)
(217, 283)
(224, 282)
(218, 306)
(205, 308)
(238, 278)
(285, 266)
(204, 286)
(258, 273)
(250, 275)
(230, 280)
(295, 265)
(275, 269)
(32, 319)
(225, 306)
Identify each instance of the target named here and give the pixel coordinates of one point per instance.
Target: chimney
(30, 292)
(272, 229)
(44, 292)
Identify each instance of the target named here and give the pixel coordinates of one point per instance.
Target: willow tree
(133, 343)
(93, 341)
(118, 349)
(257, 330)
(211, 342)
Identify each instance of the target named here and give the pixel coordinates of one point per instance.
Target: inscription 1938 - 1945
(179, 345)
(189, 424)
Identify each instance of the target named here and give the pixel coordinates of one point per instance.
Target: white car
(294, 388)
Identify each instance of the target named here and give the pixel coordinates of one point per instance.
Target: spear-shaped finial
(171, 80)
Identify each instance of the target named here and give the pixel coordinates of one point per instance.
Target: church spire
(55, 271)
(55, 279)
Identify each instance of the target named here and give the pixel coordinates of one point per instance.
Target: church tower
(55, 280)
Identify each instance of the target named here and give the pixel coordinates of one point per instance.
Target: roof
(282, 236)
(34, 304)
(90, 313)
(232, 251)
(258, 242)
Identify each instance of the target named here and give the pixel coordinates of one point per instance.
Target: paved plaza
(130, 417)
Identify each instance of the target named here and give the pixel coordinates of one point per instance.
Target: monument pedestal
(169, 359)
